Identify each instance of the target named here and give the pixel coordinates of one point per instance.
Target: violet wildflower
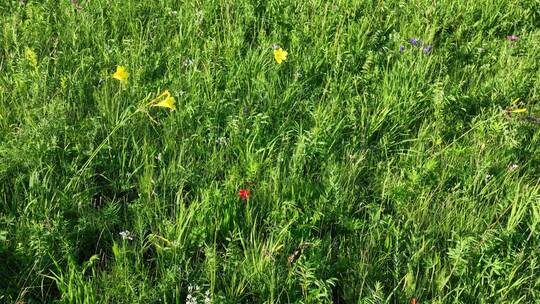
(512, 38)
(414, 41)
(427, 49)
(401, 48)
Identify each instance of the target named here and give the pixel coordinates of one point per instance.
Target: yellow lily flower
(280, 55)
(121, 74)
(167, 102)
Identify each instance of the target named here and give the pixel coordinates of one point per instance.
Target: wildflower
(280, 55)
(188, 62)
(414, 41)
(489, 177)
(413, 301)
(126, 235)
(222, 141)
(244, 194)
(191, 298)
(512, 38)
(207, 299)
(121, 74)
(401, 48)
(427, 49)
(31, 57)
(167, 102)
(513, 167)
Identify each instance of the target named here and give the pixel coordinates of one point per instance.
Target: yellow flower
(280, 55)
(167, 102)
(121, 74)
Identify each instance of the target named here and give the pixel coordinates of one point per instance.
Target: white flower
(222, 141)
(207, 299)
(126, 235)
(513, 167)
(190, 298)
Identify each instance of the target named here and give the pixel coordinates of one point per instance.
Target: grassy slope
(393, 171)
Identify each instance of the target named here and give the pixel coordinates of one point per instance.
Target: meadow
(265, 151)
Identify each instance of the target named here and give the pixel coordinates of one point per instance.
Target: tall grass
(376, 176)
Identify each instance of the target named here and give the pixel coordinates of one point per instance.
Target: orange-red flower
(244, 194)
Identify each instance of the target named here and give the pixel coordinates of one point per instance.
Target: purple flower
(427, 49)
(401, 48)
(512, 38)
(414, 41)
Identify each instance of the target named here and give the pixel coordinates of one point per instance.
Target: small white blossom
(126, 235)
(222, 141)
(191, 298)
(207, 299)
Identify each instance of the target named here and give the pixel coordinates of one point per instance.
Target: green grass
(376, 176)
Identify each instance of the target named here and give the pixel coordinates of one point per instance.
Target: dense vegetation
(392, 156)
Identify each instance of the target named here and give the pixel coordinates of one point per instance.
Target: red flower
(244, 194)
(413, 301)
